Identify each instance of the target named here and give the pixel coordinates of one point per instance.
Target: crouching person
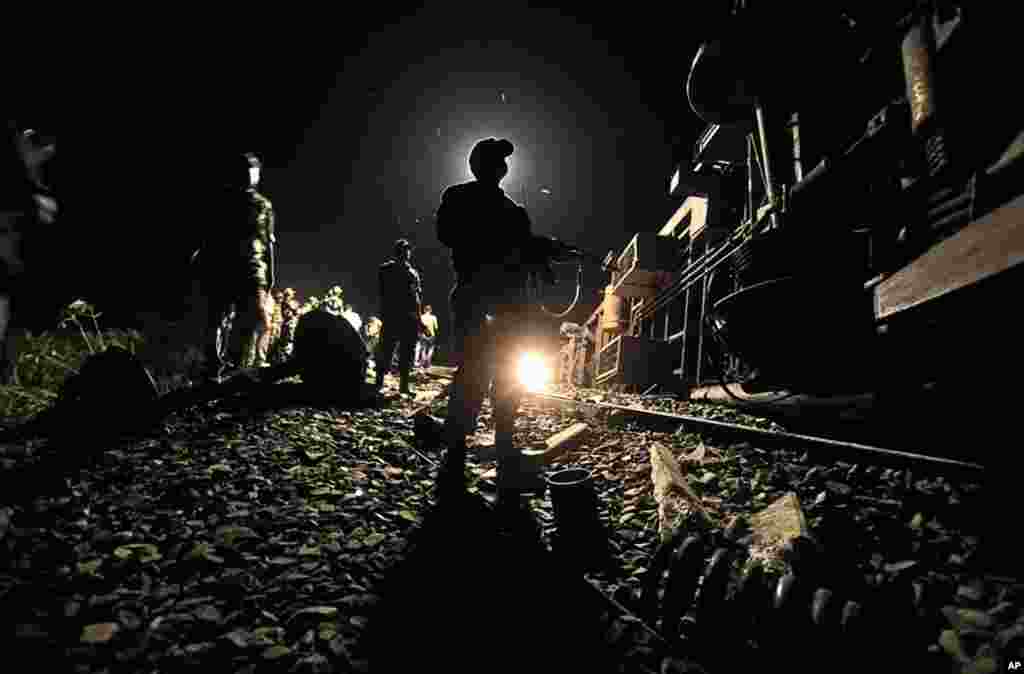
(331, 357)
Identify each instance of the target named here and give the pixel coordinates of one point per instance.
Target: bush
(45, 361)
(167, 349)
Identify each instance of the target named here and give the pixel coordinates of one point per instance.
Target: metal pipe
(798, 167)
(851, 451)
(686, 329)
(918, 51)
(750, 178)
(704, 291)
(706, 263)
(769, 182)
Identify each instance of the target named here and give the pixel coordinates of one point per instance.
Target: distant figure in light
(401, 306)
(287, 321)
(428, 338)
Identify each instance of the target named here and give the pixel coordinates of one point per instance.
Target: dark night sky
(362, 122)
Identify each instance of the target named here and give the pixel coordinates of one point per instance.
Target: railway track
(839, 450)
(690, 603)
(827, 601)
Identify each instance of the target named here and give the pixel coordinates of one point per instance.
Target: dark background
(361, 121)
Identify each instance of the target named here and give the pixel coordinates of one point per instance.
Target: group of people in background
(235, 266)
(235, 269)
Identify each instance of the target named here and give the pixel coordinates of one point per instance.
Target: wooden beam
(986, 247)
(558, 444)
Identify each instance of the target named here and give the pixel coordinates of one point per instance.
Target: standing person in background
(400, 292)
(236, 264)
(428, 339)
(285, 340)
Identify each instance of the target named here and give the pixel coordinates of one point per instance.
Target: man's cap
(402, 244)
(491, 148)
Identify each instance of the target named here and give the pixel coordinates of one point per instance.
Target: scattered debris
(677, 502)
(775, 526)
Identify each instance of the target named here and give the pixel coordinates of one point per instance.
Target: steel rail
(850, 451)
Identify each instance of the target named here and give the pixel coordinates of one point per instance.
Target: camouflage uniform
(236, 273)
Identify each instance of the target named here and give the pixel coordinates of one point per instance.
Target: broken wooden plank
(559, 444)
(556, 446)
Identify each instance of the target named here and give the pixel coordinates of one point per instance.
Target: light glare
(534, 373)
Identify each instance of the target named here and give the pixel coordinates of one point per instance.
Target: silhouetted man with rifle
(494, 254)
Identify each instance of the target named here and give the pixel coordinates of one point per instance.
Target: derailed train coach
(852, 217)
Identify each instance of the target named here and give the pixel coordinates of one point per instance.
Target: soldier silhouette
(493, 255)
(401, 306)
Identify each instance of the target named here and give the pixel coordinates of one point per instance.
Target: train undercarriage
(859, 231)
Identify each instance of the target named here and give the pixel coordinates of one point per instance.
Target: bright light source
(533, 372)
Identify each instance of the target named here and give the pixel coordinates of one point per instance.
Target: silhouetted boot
(516, 473)
(451, 479)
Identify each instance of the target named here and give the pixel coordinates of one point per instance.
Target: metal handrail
(698, 268)
(614, 343)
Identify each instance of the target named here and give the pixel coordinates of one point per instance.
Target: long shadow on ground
(283, 395)
(478, 591)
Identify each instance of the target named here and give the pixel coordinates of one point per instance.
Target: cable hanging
(575, 299)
